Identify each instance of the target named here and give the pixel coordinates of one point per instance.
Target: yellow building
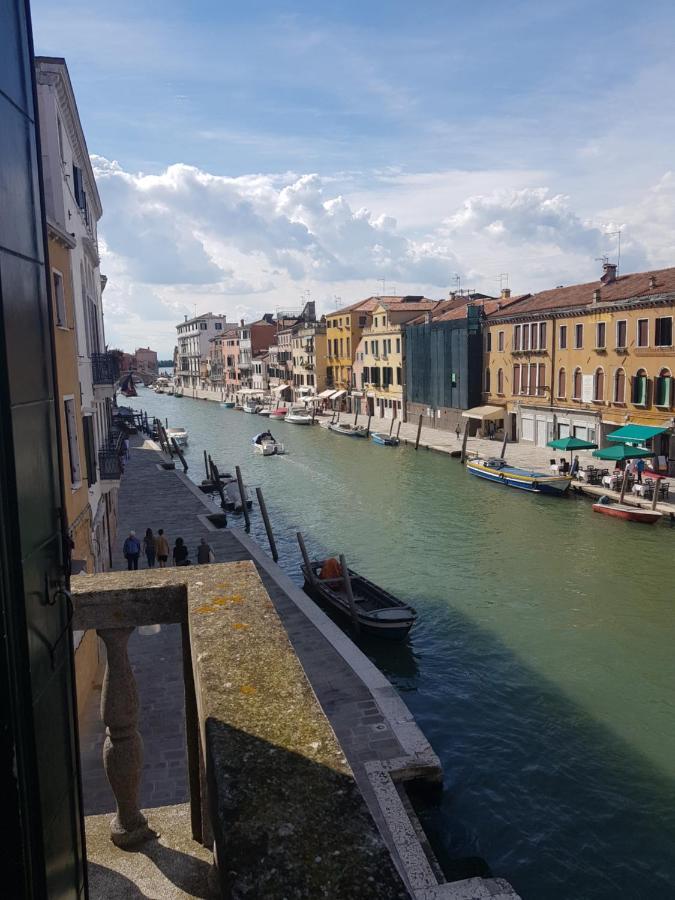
(586, 360)
(382, 377)
(309, 359)
(343, 333)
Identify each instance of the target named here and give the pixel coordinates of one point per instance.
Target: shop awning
(635, 433)
(326, 394)
(484, 412)
(338, 394)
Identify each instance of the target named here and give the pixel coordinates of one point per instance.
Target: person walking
(458, 431)
(132, 550)
(161, 548)
(575, 467)
(204, 553)
(149, 548)
(639, 468)
(180, 553)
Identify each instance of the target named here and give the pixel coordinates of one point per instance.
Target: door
(563, 429)
(527, 426)
(542, 428)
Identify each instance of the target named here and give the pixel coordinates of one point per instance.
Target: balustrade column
(123, 747)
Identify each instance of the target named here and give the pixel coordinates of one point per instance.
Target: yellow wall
(343, 326)
(388, 401)
(588, 358)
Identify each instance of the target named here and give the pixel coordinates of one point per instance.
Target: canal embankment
(382, 743)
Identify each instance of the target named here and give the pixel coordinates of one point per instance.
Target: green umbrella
(571, 443)
(622, 452)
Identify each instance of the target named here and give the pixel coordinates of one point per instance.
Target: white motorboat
(161, 385)
(266, 444)
(252, 406)
(299, 415)
(179, 435)
(279, 413)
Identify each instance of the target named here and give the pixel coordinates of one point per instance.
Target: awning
(635, 433)
(484, 412)
(324, 395)
(338, 394)
(280, 388)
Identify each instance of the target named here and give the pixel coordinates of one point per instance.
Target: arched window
(664, 389)
(500, 381)
(562, 385)
(619, 386)
(576, 392)
(599, 384)
(639, 388)
(487, 380)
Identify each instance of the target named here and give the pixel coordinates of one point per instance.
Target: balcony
(110, 463)
(104, 369)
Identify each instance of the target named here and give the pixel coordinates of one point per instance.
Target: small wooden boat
(629, 513)
(387, 439)
(378, 612)
(266, 444)
(227, 404)
(499, 471)
(357, 431)
(298, 415)
(278, 413)
(178, 391)
(179, 435)
(265, 411)
(233, 497)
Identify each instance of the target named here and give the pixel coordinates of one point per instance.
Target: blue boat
(388, 440)
(501, 472)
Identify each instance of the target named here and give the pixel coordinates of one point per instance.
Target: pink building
(146, 362)
(230, 354)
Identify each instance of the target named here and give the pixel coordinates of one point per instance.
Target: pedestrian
(132, 550)
(458, 431)
(639, 468)
(204, 553)
(180, 553)
(149, 548)
(161, 548)
(126, 449)
(575, 467)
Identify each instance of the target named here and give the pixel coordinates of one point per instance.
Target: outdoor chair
(664, 489)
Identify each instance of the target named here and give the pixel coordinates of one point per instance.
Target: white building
(193, 347)
(73, 207)
(260, 378)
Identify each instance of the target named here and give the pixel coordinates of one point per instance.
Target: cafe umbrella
(622, 453)
(571, 443)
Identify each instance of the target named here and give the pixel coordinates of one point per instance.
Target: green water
(542, 667)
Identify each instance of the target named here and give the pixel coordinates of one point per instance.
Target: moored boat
(499, 471)
(278, 413)
(357, 431)
(628, 513)
(378, 612)
(227, 404)
(178, 391)
(179, 435)
(252, 406)
(388, 440)
(233, 497)
(298, 415)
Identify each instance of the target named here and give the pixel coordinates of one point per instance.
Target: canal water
(542, 666)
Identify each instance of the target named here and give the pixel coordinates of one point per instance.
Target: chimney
(506, 293)
(608, 273)
(241, 323)
(427, 317)
(452, 295)
(652, 282)
(186, 318)
(596, 295)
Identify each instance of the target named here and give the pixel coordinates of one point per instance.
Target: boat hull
(227, 404)
(532, 482)
(628, 513)
(384, 440)
(348, 431)
(298, 420)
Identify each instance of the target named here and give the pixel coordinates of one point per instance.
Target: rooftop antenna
(384, 286)
(457, 278)
(503, 279)
(617, 235)
(338, 301)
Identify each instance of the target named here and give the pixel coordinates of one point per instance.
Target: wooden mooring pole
(349, 593)
(391, 427)
(504, 443)
(368, 427)
(242, 494)
(398, 430)
(305, 558)
(179, 453)
(206, 465)
(419, 431)
(215, 478)
(268, 527)
(462, 458)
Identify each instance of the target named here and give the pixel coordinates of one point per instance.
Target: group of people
(156, 549)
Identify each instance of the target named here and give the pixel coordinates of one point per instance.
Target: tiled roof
(387, 300)
(624, 287)
(456, 308)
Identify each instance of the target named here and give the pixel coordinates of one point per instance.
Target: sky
(252, 156)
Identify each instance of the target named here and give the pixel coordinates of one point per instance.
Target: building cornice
(61, 237)
(630, 303)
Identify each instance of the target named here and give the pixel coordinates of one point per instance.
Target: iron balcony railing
(104, 368)
(110, 456)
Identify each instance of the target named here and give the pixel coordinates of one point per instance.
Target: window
(500, 341)
(516, 337)
(541, 379)
(643, 332)
(349, 352)
(663, 333)
(398, 375)
(59, 128)
(500, 380)
(576, 387)
(219, 326)
(526, 337)
(542, 335)
(59, 299)
(663, 389)
(639, 391)
(73, 448)
(203, 326)
(78, 186)
(516, 379)
(362, 321)
(621, 333)
(89, 449)
(487, 380)
(488, 341)
(398, 345)
(562, 387)
(535, 336)
(599, 385)
(578, 336)
(600, 340)
(562, 337)
(619, 386)
(533, 381)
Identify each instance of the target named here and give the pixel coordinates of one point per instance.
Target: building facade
(193, 346)
(253, 339)
(587, 359)
(382, 379)
(308, 343)
(145, 361)
(344, 329)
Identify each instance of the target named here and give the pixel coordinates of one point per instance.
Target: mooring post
(625, 481)
(464, 441)
(419, 431)
(391, 427)
(356, 416)
(398, 430)
(368, 426)
(180, 454)
(266, 520)
(656, 494)
(206, 464)
(215, 479)
(242, 494)
(350, 595)
(504, 443)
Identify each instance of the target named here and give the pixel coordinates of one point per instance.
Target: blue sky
(481, 137)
